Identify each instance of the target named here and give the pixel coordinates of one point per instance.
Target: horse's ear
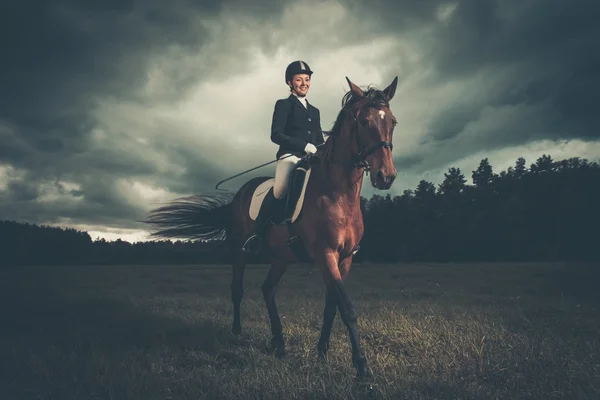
(391, 90)
(355, 89)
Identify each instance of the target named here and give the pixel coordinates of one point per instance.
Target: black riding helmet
(296, 67)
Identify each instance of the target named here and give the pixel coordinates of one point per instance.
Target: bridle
(365, 151)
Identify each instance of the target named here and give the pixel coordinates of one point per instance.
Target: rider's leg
(282, 175)
(285, 165)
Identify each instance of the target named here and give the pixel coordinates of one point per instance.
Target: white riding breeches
(282, 174)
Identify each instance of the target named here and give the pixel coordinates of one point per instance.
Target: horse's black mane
(373, 98)
(350, 102)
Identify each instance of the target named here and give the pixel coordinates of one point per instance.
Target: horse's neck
(340, 178)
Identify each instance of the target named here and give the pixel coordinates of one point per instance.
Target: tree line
(549, 211)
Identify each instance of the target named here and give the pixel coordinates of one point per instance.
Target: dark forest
(548, 211)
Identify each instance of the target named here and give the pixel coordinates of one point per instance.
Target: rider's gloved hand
(310, 148)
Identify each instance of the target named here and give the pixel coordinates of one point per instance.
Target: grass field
(517, 331)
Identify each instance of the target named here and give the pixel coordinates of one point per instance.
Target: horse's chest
(343, 225)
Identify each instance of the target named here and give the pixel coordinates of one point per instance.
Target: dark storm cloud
(60, 54)
(492, 74)
(504, 33)
(550, 45)
(58, 58)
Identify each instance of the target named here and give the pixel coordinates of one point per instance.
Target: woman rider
(296, 128)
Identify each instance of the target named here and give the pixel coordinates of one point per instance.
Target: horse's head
(373, 130)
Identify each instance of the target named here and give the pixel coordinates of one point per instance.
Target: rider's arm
(320, 137)
(278, 136)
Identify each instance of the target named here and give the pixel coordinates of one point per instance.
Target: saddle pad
(261, 190)
(258, 196)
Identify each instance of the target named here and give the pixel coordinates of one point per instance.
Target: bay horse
(331, 225)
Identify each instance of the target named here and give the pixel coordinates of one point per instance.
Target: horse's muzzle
(383, 181)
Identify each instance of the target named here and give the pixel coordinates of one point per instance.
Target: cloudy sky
(108, 108)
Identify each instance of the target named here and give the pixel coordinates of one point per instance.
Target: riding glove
(310, 148)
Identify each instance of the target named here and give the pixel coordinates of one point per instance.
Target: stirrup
(248, 241)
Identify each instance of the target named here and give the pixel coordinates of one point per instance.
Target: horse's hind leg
(278, 268)
(237, 290)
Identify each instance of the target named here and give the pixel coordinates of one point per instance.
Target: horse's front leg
(329, 312)
(333, 275)
(328, 318)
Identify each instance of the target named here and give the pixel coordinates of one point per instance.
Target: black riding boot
(262, 222)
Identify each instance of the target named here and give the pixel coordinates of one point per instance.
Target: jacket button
(309, 132)
(309, 120)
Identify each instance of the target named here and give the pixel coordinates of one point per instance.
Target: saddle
(290, 209)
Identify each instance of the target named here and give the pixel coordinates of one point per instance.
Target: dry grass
(429, 331)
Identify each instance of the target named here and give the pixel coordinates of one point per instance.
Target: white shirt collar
(302, 100)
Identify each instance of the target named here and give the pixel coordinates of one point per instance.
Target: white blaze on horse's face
(382, 114)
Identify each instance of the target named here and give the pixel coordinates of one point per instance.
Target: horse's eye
(364, 122)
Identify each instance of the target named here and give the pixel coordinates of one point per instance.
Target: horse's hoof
(236, 330)
(280, 352)
(322, 353)
(362, 370)
(322, 356)
(278, 347)
(363, 377)
(363, 374)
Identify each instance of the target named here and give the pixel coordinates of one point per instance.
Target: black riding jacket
(294, 126)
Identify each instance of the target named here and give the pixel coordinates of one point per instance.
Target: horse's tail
(204, 217)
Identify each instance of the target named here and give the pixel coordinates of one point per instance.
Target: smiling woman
(296, 128)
